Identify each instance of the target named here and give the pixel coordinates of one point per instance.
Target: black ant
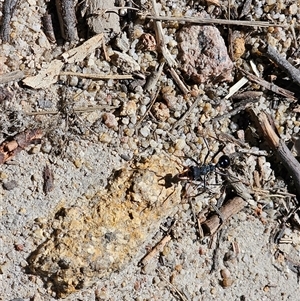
(199, 172)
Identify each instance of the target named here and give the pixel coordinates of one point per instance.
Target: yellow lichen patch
(92, 241)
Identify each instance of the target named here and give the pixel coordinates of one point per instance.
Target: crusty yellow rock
(91, 242)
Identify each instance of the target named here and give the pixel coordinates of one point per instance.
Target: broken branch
(270, 86)
(278, 146)
(275, 56)
(232, 207)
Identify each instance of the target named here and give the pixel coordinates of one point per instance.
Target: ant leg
(205, 141)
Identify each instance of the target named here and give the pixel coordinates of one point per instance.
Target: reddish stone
(203, 54)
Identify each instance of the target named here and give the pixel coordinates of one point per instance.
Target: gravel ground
(91, 128)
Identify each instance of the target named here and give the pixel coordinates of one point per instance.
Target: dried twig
(198, 20)
(173, 287)
(187, 113)
(178, 81)
(247, 94)
(160, 38)
(148, 110)
(232, 207)
(270, 86)
(48, 27)
(278, 146)
(11, 76)
(153, 79)
(67, 19)
(76, 110)
(275, 56)
(236, 87)
(158, 248)
(48, 179)
(241, 106)
(8, 11)
(97, 76)
(11, 147)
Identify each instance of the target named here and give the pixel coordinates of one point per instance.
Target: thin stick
(8, 11)
(48, 27)
(198, 20)
(270, 86)
(187, 113)
(279, 147)
(172, 286)
(11, 76)
(275, 56)
(76, 110)
(67, 19)
(242, 106)
(97, 76)
(160, 38)
(158, 248)
(232, 207)
(178, 81)
(148, 109)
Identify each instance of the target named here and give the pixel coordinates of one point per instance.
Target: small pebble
(144, 131)
(110, 120)
(10, 185)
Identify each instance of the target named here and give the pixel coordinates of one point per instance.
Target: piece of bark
(232, 207)
(285, 155)
(275, 56)
(158, 248)
(270, 86)
(11, 76)
(67, 19)
(45, 77)
(8, 10)
(48, 28)
(10, 147)
(48, 179)
(79, 53)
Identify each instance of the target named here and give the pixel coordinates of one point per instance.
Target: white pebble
(145, 131)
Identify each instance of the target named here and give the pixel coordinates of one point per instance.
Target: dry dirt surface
(149, 150)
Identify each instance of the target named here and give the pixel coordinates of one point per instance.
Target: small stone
(144, 131)
(161, 111)
(73, 81)
(129, 108)
(110, 120)
(203, 54)
(293, 9)
(122, 42)
(10, 185)
(125, 62)
(147, 42)
(78, 162)
(180, 144)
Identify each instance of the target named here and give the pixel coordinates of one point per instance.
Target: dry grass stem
(270, 86)
(97, 76)
(198, 20)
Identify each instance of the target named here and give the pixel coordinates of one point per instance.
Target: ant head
(224, 161)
